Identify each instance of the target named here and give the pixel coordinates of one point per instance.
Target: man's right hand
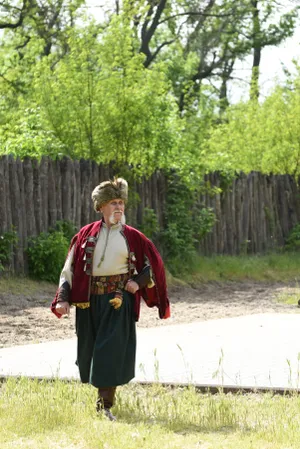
(63, 308)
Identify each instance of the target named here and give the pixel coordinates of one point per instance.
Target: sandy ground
(26, 318)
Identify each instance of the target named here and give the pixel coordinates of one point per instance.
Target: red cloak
(140, 251)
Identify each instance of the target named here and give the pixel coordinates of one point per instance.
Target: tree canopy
(146, 85)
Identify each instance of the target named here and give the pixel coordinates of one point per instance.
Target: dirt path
(26, 318)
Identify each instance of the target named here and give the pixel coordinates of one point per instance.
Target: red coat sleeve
(157, 295)
(54, 302)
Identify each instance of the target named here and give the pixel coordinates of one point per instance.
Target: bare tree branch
(193, 13)
(153, 56)
(19, 20)
(148, 32)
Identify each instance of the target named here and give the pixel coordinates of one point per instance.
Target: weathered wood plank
(37, 197)
(22, 226)
(66, 188)
(7, 190)
(3, 197)
(52, 210)
(58, 190)
(43, 173)
(94, 182)
(16, 213)
(86, 191)
(77, 195)
(29, 198)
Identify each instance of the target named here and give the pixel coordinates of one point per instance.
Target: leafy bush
(66, 227)
(204, 221)
(150, 224)
(293, 240)
(28, 135)
(47, 251)
(7, 242)
(176, 238)
(46, 255)
(187, 222)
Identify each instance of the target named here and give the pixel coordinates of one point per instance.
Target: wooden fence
(254, 214)
(35, 195)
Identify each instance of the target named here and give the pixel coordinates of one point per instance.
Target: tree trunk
(254, 90)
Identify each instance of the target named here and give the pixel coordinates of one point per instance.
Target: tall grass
(21, 285)
(282, 267)
(270, 267)
(61, 415)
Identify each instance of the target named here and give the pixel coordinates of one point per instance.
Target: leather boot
(105, 401)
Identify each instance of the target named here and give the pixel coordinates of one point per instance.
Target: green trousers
(106, 345)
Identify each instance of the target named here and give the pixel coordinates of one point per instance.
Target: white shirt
(110, 255)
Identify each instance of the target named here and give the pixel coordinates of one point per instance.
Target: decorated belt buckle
(100, 288)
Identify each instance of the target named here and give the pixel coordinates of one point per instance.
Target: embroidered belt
(107, 284)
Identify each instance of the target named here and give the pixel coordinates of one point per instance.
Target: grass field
(19, 285)
(60, 415)
(282, 267)
(46, 415)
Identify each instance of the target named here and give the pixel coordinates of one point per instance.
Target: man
(110, 266)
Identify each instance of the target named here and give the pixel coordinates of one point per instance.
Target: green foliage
(102, 104)
(41, 29)
(261, 137)
(293, 239)
(205, 220)
(66, 227)
(187, 222)
(190, 161)
(46, 255)
(109, 92)
(8, 240)
(27, 135)
(176, 239)
(150, 226)
(47, 251)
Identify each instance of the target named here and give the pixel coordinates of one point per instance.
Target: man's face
(113, 211)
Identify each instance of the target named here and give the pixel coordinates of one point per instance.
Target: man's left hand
(132, 286)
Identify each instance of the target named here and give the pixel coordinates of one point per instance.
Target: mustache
(113, 219)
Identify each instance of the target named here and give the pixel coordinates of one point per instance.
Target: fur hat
(109, 190)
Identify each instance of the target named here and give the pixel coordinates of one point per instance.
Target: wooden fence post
(16, 213)
(3, 197)
(52, 201)
(254, 214)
